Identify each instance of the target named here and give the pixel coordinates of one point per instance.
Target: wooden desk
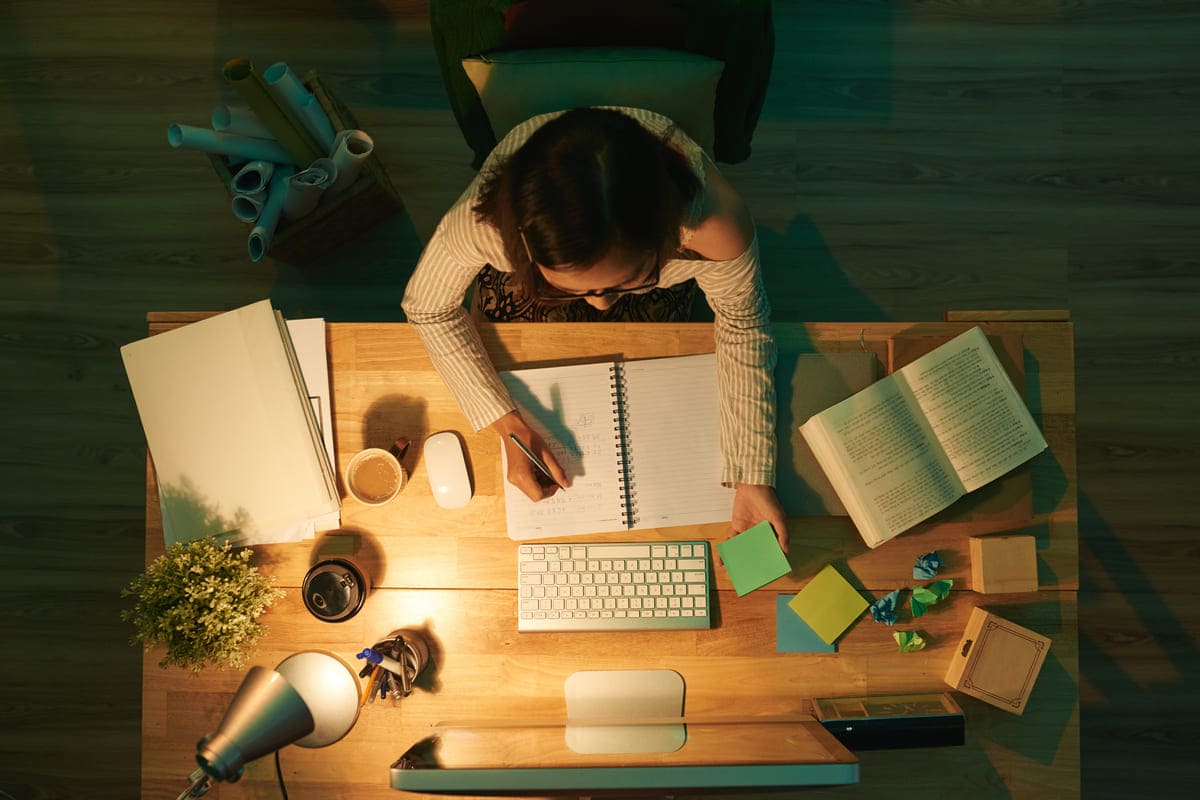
(451, 573)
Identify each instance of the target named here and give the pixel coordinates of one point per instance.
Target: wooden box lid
(1006, 563)
(997, 661)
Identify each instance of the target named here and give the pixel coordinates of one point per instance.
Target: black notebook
(641, 441)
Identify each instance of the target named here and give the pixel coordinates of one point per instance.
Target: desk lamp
(311, 699)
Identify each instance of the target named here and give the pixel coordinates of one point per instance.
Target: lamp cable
(279, 775)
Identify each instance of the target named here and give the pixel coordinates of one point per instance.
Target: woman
(603, 214)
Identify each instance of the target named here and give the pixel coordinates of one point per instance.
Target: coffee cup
(374, 476)
(334, 589)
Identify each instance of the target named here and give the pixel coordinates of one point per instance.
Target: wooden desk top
(451, 573)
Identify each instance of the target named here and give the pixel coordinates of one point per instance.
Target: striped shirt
(461, 245)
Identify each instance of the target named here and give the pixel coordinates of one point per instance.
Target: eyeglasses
(547, 292)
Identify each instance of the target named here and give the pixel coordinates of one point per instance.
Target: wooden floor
(912, 157)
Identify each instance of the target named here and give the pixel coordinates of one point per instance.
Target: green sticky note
(753, 558)
(829, 604)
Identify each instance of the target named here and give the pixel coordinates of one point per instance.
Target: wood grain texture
(912, 157)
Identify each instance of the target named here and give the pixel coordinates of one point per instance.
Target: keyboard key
(618, 551)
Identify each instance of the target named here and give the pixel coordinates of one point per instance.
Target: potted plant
(202, 600)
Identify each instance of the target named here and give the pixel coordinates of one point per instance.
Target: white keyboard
(612, 587)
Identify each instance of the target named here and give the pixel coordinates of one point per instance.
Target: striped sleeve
(433, 303)
(745, 366)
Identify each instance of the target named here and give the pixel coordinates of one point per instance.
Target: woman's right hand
(521, 471)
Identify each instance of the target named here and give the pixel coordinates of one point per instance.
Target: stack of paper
(233, 432)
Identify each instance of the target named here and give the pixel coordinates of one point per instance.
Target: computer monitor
(528, 758)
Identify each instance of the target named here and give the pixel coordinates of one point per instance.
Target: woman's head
(592, 197)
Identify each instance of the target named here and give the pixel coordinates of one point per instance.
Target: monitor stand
(600, 702)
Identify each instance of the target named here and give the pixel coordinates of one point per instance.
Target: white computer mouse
(447, 469)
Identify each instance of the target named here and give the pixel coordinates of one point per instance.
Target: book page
(896, 471)
(972, 407)
(572, 408)
(674, 433)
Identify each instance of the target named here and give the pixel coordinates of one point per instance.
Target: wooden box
(338, 218)
(1006, 563)
(892, 721)
(997, 661)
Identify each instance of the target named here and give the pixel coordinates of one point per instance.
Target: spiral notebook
(641, 441)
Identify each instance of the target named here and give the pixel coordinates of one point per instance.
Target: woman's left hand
(754, 502)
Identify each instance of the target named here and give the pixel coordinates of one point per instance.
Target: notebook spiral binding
(625, 480)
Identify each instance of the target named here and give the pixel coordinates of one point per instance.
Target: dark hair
(589, 182)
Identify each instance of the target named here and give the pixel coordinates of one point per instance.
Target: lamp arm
(199, 787)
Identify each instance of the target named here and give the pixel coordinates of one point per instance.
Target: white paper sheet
(308, 340)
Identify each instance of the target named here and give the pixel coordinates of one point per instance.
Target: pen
(537, 462)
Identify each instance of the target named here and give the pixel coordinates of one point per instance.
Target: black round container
(335, 589)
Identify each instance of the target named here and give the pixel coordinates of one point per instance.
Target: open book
(912, 443)
(237, 448)
(640, 440)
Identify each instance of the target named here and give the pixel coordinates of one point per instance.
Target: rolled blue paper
(288, 91)
(245, 147)
(259, 241)
(927, 566)
(318, 121)
(247, 207)
(253, 177)
(240, 121)
(304, 188)
(884, 609)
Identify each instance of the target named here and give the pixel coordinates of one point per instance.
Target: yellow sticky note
(829, 604)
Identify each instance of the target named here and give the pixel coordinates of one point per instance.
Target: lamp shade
(330, 690)
(266, 714)
(310, 699)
